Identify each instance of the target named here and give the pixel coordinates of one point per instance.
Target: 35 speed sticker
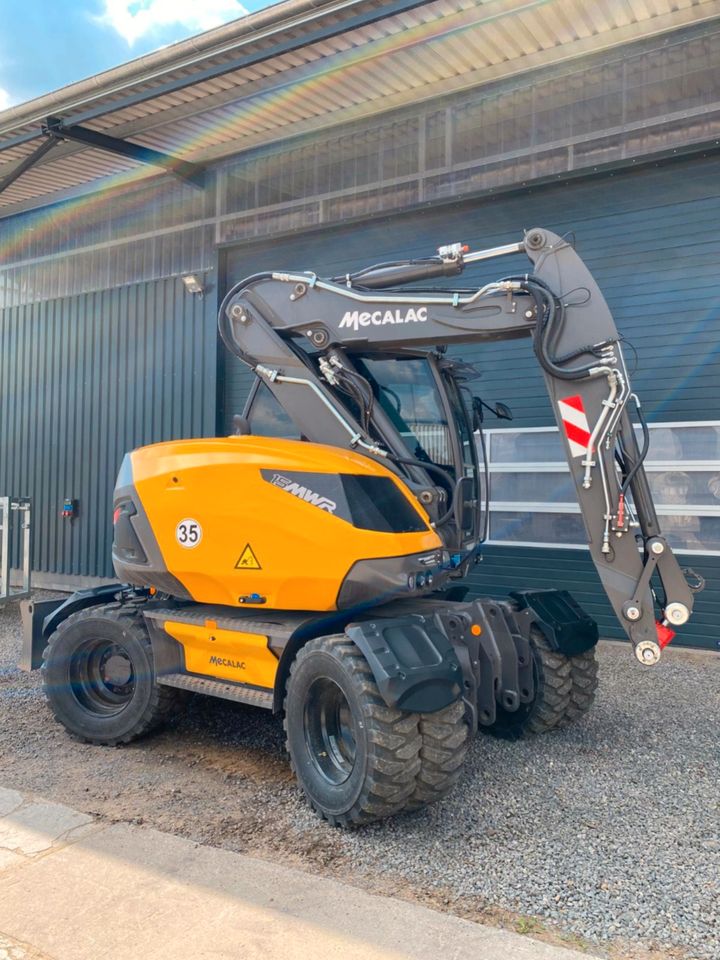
(188, 533)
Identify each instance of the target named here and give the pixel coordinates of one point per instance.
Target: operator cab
(418, 407)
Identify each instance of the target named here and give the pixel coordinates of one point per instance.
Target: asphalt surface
(606, 833)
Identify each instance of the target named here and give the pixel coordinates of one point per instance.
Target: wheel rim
(102, 677)
(330, 731)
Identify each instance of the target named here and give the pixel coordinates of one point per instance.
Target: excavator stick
(592, 400)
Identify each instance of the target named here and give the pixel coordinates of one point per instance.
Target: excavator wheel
(445, 741)
(584, 677)
(552, 702)
(99, 676)
(356, 759)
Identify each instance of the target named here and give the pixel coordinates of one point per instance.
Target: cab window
(267, 418)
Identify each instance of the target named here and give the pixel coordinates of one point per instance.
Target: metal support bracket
(45, 147)
(679, 594)
(191, 173)
(633, 609)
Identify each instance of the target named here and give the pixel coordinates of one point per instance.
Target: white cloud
(134, 18)
(5, 99)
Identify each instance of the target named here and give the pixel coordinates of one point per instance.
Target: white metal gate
(12, 511)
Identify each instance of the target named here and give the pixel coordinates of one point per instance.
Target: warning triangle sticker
(248, 560)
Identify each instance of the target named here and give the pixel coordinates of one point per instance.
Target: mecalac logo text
(354, 319)
(304, 493)
(224, 662)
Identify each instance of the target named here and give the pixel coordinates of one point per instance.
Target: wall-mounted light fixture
(193, 284)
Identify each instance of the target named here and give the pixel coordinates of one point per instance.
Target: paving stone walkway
(75, 888)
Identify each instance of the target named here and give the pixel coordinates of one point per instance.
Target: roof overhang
(294, 68)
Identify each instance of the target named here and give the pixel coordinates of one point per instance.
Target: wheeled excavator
(316, 571)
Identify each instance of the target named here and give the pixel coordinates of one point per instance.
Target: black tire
(445, 741)
(356, 759)
(584, 683)
(553, 685)
(99, 676)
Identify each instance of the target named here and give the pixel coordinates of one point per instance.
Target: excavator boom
(313, 342)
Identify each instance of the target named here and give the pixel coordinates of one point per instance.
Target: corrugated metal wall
(650, 238)
(84, 379)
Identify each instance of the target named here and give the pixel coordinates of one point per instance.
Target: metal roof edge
(177, 56)
(558, 67)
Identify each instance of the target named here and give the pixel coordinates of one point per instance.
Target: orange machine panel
(225, 654)
(233, 529)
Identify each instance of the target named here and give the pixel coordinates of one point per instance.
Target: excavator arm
(312, 342)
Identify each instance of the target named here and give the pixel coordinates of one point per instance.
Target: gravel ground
(605, 834)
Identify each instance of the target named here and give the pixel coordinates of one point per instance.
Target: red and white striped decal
(575, 421)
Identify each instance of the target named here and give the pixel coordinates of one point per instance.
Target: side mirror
(501, 410)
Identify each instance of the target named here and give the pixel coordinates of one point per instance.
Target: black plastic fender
(42, 617)
(565, 625)
(413, 662)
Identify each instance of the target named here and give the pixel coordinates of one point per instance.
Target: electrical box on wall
(69, 508)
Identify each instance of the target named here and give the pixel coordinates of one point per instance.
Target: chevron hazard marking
(575, 422)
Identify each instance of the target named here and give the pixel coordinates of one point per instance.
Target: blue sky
(45, 44)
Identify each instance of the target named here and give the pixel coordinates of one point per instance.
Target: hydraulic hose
(643, 452)
(548, 325)
(549, 315)
(486, 474)
(364, 391)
